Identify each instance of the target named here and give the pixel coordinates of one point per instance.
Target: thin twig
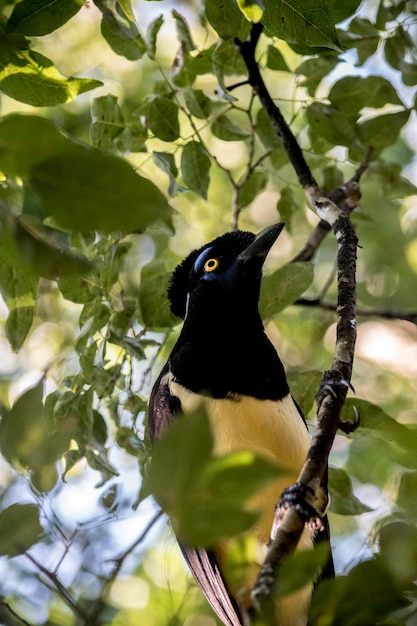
(247, 50)
(117, 566)
(59, 588)
(360, 311)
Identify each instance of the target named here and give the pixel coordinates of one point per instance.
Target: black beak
(261, 245)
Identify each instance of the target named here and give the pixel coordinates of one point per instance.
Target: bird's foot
(331, 381)
(297, 496)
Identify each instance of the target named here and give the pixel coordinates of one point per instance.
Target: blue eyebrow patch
(202, 258)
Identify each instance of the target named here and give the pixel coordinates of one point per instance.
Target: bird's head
(227, 267)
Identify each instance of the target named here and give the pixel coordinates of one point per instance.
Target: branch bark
(334, 209)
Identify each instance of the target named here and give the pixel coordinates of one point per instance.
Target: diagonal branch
(334, 209)
(295, 155)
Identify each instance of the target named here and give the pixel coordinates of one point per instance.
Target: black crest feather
(230, 245)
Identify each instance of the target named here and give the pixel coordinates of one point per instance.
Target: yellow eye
(211, 264)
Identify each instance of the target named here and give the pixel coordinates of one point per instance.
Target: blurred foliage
(128, 137)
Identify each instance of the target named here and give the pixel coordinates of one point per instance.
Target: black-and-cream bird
(224, 359)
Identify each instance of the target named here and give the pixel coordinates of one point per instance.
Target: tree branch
(334, 209)
(361, 312)
(247, 50)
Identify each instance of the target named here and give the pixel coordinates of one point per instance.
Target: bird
(224, 360)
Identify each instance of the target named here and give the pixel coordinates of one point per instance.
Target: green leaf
(128, 439)
(307, 22)
(18, 284)
(108, 121)
(361, 35)
(166, 162)
(71, 458)
(227, 61)
(275, 60)
(204, 495)
(188, 439)
(28, 440)
(380, 132)
(301, 568)
(151, 35)
(395, 48)
(270, 140)
(162, 116)
(125, 8)
(409, 73)
(342, 10)
(304, 386)
(195, 168)
(153, 300)
(367, 595)
(30, 77)
(183, 31)
(251, 9)
(225, 17)
(287, 205)
(407, 493)
(43, 250)
(120, 30)
(398, 545)
(223, 128)
(198, 103)
(342, 499)
(376, 422)
(315, 70)
(19, 529)
(18, 325)
(327, 122)
(352, 93)
(103, 191)
(283, 287)
(40, 17)
(252, 187)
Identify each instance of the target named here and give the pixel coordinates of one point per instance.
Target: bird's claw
(329, 383)
(296, 496)
(349, 426)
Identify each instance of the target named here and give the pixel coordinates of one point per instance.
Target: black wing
(163, 407)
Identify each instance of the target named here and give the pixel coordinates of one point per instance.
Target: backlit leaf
(225, 17)
(103, 191)
(32, 78)
(162, 115)
(352, 93)
(195, 168)
(275, 60)
(251, 9)
(307, 22)
(204, 495)
(283, 287)
(40, 17)
(120, 31)
(153, 301)
(223, 128)
(254, 185)
(183, 31)
(343, 500)
(19, 528)
(108, 121)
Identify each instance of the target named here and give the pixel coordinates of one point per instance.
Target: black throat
(223, 351)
